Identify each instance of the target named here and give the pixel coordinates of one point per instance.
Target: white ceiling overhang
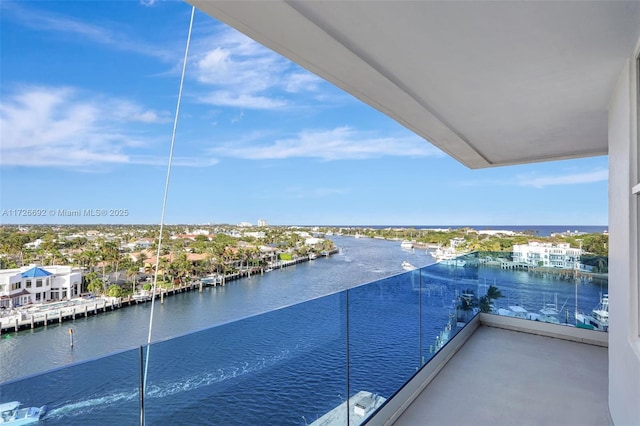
(490, 83)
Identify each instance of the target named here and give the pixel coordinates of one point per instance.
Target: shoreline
(40, 315)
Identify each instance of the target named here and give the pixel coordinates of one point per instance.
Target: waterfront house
(560, 255)
(35, 284)
(493, 84)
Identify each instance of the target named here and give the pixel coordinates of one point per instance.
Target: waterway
(359, 260)
(284, 367)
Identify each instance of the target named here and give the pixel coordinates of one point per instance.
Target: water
(284, 367)
(359, 261)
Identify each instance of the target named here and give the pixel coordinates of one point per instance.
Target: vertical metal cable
(141, 356)
(420, 358)
(164, 206)
(348, 355)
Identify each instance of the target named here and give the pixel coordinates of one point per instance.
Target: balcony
(502, 377)
(372, 348)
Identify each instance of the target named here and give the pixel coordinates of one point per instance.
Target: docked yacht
(406, 245)
(453, 262)
(12, 413)
(599, 318)
(448, 256)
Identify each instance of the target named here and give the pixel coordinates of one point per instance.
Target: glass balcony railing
(493, 282)
(332, 360)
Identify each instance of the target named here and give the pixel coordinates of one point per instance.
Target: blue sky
(88, 93)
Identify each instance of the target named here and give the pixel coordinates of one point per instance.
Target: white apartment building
(35, 284)
(551, 255)
(262, 222)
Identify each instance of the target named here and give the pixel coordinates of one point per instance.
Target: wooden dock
(59, 312)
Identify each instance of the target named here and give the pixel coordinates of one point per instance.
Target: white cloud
(600, 175)
(242, 100)
(301, 82)
(63, 127)
(531, 180)
(150, 160)
(245, 74)
(41, 20)
(336, 144)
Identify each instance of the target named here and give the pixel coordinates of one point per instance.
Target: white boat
(407, 266)
(453, 262)
(547, 314)
(361, 405)
(141, 297)
(448, 256)
(406, 245)
(599, 318)
(11, 413)
(514, 311)
(312, 256)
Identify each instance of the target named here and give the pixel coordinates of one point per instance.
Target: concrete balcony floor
(505, 377)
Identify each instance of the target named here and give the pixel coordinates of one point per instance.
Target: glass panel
(449, 301)
(283, 367)
(637, 172)
(574, 297)
(103, 391)
(384, 341)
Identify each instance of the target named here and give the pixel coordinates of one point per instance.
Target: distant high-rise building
(262, 222)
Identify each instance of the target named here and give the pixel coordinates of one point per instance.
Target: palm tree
(132, 273)
(485, 304)
(181, 266)
(493, 293)
(602, 264)
(94, 283)
(163, 265)
(486, 301)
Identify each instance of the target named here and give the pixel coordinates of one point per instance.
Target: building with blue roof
(38, 284)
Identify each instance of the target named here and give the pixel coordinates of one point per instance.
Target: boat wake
(163, 389)
(88, 405)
